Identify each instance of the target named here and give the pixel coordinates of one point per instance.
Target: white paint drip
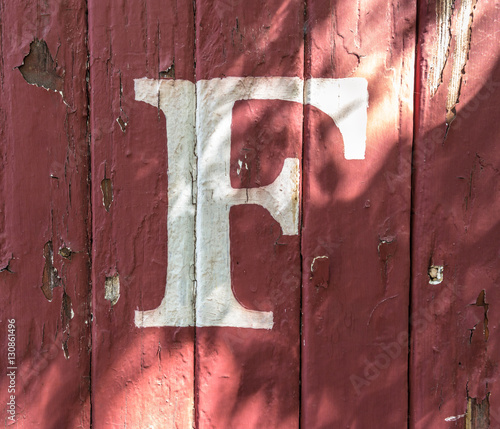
(454, 418)
(344, 100)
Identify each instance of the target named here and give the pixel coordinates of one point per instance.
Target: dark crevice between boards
(196, 361)
(413, 181)
(40, 69)
(2, 65)
(306, 74)
(89, 218)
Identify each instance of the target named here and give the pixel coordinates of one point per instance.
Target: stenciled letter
(344, 100)
(177, 100)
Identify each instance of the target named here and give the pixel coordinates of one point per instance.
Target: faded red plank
(455, 349)
(44, 218)
(248, 377)
(356, 217)
(142, 376)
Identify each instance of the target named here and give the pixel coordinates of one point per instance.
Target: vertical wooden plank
(44, 221)
(142, 373)
(356, 215)
(249, 62)
(455, 350)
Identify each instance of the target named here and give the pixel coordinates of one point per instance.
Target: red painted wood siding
(268, 214)
(141, 377)
(454, 360)
(356, 222)
(252, 375)
(44, 215)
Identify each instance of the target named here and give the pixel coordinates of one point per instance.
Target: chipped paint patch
(112, 289)
(168, 73)
(67, 314)
(39, 68)
(320, 271)
(242, 164)
(481, 302)
(435, 274)
(107, 193)
(122, 123)
(50, 279)
(5, 264)
(478, 413)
